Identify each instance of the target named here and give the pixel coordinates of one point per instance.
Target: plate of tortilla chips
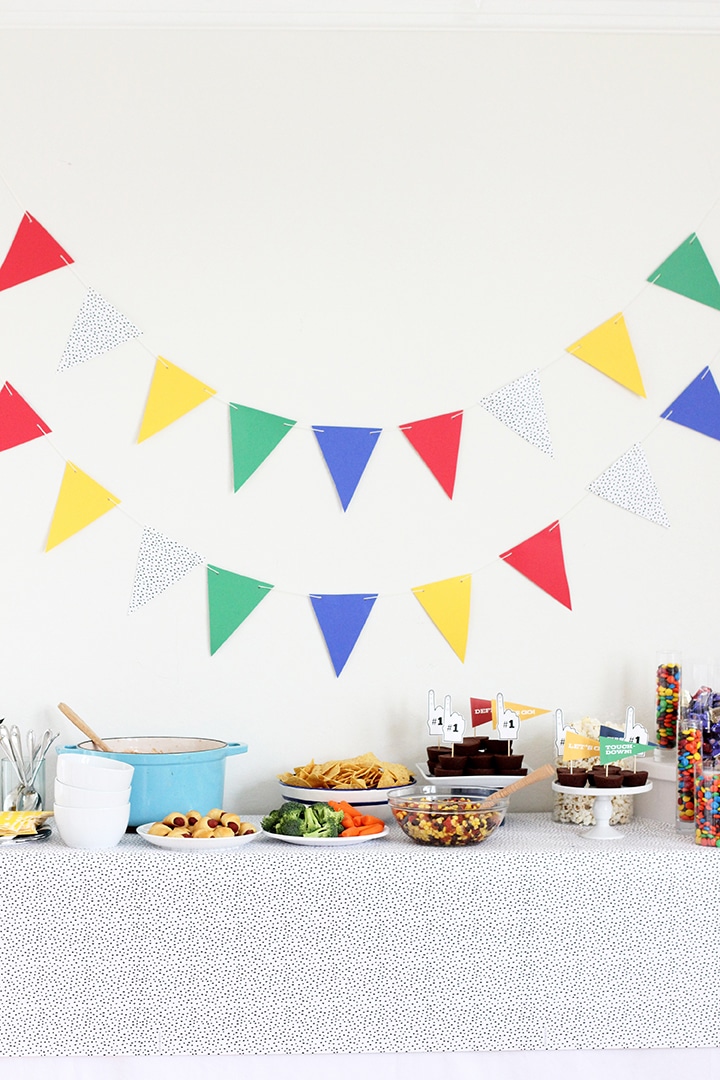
(362, 781)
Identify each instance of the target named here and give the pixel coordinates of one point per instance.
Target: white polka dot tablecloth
(536, 939)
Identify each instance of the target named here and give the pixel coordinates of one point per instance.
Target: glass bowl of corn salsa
(447, 817)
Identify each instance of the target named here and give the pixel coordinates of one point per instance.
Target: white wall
(354, 228)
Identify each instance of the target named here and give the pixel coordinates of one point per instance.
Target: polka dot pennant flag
(448, 605)
(341, 618)
(687, 271)
(254, 435)
(18, 422)
(628, 483)
(32, 253)
(346, 451)
(540, 559)
(97, 329)
(80, 502)
(437, 441)
(231, 598)
(698, 406)
(520, 406)
(609, 349)
(172, 394)
(161, 563)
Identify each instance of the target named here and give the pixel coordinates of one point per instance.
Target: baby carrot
(355, 830)
(367, 830)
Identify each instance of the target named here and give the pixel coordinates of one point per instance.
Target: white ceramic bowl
(95, 774)
(68, 795)
(92, 828)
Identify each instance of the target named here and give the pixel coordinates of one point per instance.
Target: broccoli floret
(287, 819)
(321, 821)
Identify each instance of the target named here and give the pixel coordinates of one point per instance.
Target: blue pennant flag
(341, 617)
(698, 407)
(347, 451)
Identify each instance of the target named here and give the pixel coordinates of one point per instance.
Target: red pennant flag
(437, 441)
(540, 558)
(33, 252)
(18, 422)
(480, 711)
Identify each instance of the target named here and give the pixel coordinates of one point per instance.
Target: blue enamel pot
(170, 773)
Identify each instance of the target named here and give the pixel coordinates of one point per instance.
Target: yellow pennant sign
(579, 746)
(448, 605)
(609, 349)
(172, 394)
(524, 712)
(81, 501)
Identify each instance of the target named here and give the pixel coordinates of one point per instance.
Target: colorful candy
(707, 808)
(689, 757)
(667, 700)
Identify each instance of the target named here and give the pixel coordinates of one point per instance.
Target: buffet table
(537, 939)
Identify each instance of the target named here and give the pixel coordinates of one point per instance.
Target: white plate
(187, 843)
(354, 796)
(330, 841)
(467, 781)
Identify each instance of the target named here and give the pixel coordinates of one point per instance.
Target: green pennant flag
(254, 434)
(231, 598)
(688, 272)
(614, 749)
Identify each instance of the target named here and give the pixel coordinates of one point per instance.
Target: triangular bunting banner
(254, 435)
(688, 272)
(80, 502)
(97, 329)
(609, 349)
(172, 394)
(437, 441)
(32, 253)
(540, 558)
(18, 422)
(341, 617)
(231, 598)
(520, 406)
(448, 605)
(628, 483)
(698, 407)
(347, 451)
(161, 563)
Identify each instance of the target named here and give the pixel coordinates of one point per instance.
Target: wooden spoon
(75, 719)
(543, 773)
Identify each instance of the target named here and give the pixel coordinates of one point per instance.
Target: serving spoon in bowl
(86, 730)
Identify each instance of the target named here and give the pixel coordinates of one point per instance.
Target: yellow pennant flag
(525, 712)
(172, 394)
(579, 746)
(81, 501)
(448, 605)
(609, 349)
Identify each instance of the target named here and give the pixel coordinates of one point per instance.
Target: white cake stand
(602, 829)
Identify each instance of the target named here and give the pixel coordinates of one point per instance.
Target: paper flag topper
(80, 502)
(615, 749)
(698, 407)
(435, 717)
(481, 711)
(231, 598)
(453, 725)
(523, 712)
(97, 329)
(172, 394)
(687, 271)
(520, 405)
(579, 746)
(18, 422)
(448, 605)
(254, 435)
(609, 349)
(437, 441)
(628, 483)
(161, 563)
(341, 618)
(347, 451)
(561, 732)
(32, 253)
(505, 720)
(540, 558)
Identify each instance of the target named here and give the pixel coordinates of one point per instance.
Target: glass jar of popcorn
(578, 809)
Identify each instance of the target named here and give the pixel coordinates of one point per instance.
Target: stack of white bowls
(92, 800)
